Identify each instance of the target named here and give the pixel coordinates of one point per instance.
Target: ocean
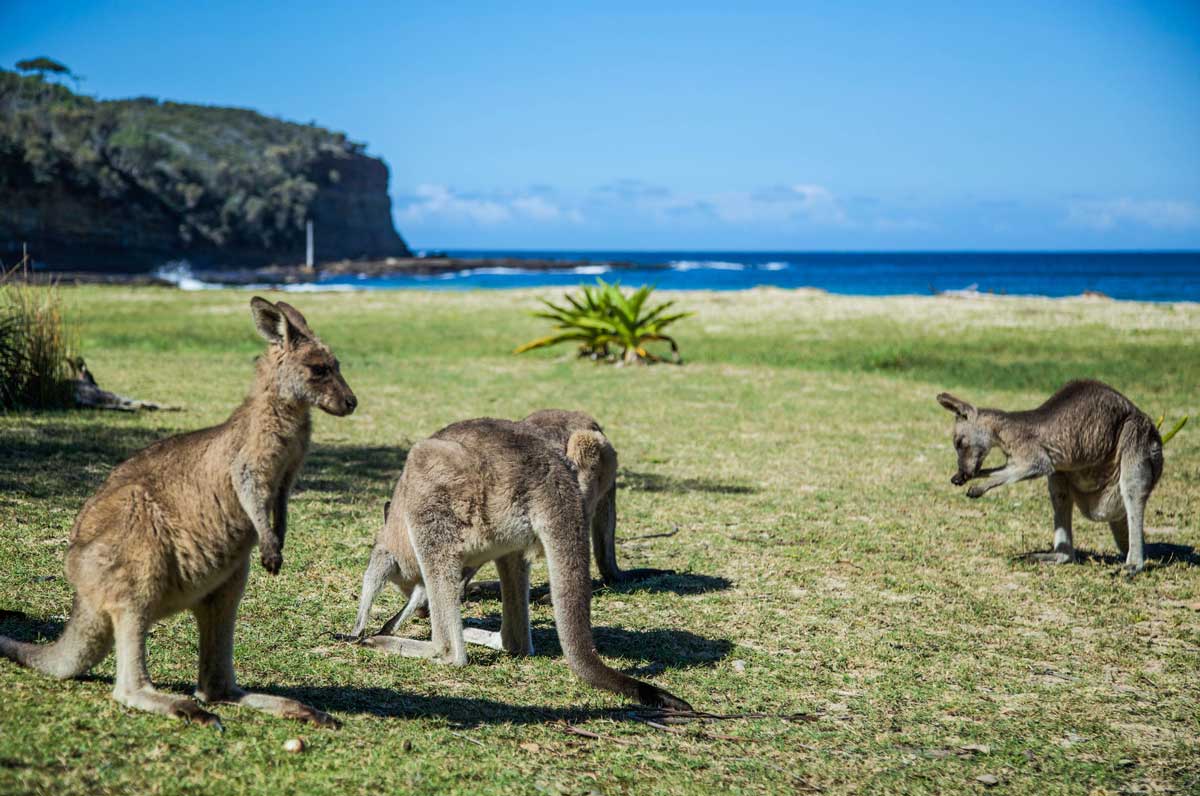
(1143, 276)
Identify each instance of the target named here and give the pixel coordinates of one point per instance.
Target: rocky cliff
(126, 185)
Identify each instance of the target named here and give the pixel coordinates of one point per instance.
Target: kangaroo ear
(957, 406)
(297, 326)
(269, 320)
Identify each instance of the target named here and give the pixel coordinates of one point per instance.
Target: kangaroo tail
(84, 642)
(571, 591)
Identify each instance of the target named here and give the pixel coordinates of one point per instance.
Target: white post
(308, 249)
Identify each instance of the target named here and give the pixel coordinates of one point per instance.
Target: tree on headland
(43, 66)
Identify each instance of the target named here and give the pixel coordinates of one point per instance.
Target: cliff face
(128, 185)
(352, 212)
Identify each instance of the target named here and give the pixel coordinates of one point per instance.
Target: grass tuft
(37, 345)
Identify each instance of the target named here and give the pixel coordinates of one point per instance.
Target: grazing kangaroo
(496, 490)
(1097, 450)
(171, 529)
(557, 425)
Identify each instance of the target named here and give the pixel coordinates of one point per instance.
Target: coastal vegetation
(603, 318)
(37, 345)
(795, 476)
(167, 176)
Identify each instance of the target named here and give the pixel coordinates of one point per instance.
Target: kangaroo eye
(319, 371)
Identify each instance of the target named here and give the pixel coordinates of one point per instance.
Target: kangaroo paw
(655, 697)
(1051, 558)
(1129, 570)
(308, 715)
(192, 713)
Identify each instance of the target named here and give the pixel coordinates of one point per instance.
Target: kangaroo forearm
(279, 518)
(1010, 474)
(986, 472)
(256, 499)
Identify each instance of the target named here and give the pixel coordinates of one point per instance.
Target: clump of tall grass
(37, 346)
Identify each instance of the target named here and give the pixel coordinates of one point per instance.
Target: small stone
(739, 666)
(406, 746)
(293, 745)
(988, 780)
(531, 748)
(978, 748)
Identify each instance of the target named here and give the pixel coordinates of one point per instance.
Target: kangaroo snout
(345, 404)
(959, 478)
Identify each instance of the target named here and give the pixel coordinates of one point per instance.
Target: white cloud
(782, 205)
(1104, 214)
(813, 204)
(431, 201)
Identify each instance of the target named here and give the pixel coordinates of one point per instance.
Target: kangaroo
(1097, 450)
(557, 425)
(496, 490)
(172, 528)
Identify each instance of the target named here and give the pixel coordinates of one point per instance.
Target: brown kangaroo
(1095, 448)
(556, 425)
(171, 529)
(496, 490)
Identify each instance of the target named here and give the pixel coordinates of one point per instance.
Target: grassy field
(795, 475)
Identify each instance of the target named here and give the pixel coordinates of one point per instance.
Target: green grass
(803, 460)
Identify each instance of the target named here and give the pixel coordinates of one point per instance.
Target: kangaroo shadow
(352, 469)
(19, 626)
(665, 580)
(1163, 554)
(459, 712)
(63, 460)
(660, 648)
(653, 482)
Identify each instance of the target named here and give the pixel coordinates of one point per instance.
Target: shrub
(603, 317)
(1174, 429)
(37, 346)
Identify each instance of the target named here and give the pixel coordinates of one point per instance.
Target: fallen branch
(652, 535)
(571, 729)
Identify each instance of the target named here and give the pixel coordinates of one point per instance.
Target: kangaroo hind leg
(133, 688)
(1063, 506)
(215, 618)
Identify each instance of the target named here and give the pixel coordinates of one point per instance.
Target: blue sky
(776, 126)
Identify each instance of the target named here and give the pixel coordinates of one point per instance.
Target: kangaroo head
(596, 463)
(305, 370)
(972, 440)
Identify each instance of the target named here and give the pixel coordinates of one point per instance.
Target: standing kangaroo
(172, 528)
(1097, 450)
(496, 490)
(393, 556)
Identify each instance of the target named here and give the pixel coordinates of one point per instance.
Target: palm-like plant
(1174, 430)
(602, 318)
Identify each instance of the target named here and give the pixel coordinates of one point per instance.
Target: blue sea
(1144, 276)
(1150, 276)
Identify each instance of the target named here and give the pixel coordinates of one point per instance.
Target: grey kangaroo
(1097, 450)
(172, 528)
(557, 425)
(497, 490)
